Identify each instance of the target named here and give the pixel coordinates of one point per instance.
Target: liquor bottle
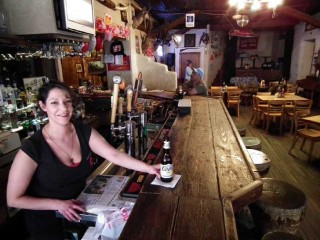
(166, 165)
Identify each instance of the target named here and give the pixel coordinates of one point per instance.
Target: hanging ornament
(85, 47)
(99, 43)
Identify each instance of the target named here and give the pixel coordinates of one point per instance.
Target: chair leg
(303, 142)
(295, 139)
(291, 127)
(281, 125)
(310, 151)
(252, 116)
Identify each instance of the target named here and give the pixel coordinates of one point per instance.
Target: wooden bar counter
(218, 179)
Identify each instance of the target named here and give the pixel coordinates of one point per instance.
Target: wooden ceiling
(170, 14)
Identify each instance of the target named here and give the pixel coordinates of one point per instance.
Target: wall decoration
(190, 19)
(124, 67)
(309, 27)
(79, 68)
(137, 45)
(124, 16)
(96, 67)
(189, 40)
(248, 43)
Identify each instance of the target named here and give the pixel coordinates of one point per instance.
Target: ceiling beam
(291, 12)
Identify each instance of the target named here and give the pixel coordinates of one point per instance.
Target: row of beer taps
(135, 122)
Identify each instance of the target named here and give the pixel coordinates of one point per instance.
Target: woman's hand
(154, 169)
(69, 209)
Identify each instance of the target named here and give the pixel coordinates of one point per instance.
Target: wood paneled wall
(76, 68)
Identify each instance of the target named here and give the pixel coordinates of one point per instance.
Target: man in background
(189, 70)
(196, 85)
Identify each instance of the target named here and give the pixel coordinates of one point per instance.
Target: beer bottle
(166, 166)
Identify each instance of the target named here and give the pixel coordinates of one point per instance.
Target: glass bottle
(166, 165)
(3, 22)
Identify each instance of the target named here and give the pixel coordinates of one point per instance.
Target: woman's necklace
(68, 154)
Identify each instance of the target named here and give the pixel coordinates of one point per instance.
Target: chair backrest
(233, 95)
(216, 88)
(276, 106)
(273, 83)
(291, 88)
(264, 93)
(216, 93)
(303, 107)
(233, 88)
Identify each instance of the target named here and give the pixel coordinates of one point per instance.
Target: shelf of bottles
(18, 111)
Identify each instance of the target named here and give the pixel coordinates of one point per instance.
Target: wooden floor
(293, 169)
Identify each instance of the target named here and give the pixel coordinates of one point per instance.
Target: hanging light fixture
(255, 5)
(242, 20)
(177, 38)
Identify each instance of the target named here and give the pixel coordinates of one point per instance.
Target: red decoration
(85, 47)
(248, 43)
(124, 67)
(99, 43)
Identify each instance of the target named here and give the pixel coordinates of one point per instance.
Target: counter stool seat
(252, 142)
(281, 207)
(280, 235)
(260, 160)
(241, 129)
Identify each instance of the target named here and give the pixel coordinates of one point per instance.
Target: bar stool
(252, 142)
(241, 129)
(281, 207)
(260, 160)
(280, 235)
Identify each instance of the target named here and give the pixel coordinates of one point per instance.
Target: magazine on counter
(102, 193)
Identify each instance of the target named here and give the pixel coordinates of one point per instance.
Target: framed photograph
(309, 27)
(79, 67)
(189, 40)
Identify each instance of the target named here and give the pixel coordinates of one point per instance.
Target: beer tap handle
(129, 100)
(116, 83)
(120, 108)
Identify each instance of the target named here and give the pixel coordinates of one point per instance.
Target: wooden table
(313, 119)
(218, 179)
(287, 98)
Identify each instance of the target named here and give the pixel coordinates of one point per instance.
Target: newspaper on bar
(102, 193)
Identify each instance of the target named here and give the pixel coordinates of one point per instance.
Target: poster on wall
(124, 67)
(248, 43)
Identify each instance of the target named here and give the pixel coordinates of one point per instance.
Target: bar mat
(134, 185)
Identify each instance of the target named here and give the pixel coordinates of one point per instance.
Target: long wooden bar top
(218, 179)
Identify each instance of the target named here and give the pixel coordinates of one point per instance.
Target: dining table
(313, 119)
(286, 98)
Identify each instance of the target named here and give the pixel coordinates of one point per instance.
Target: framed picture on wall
(189, 40)
(79, 67)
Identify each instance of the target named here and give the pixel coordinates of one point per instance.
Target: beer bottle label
(166, 170)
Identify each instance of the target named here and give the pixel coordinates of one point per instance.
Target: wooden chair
(233, 99)
(275, 109)
(299, 110)
(306, 133)
(264, 93)
(231, 88)
(258, 107)
(291, 88)
(216, 92)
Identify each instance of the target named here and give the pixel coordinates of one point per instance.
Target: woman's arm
(21, 173)
(101, 147)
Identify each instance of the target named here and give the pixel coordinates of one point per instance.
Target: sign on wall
(248, 43)
(190, 19)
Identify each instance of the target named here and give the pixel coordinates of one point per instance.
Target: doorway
(193, 56)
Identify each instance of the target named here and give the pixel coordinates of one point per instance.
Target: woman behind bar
(51, 168)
